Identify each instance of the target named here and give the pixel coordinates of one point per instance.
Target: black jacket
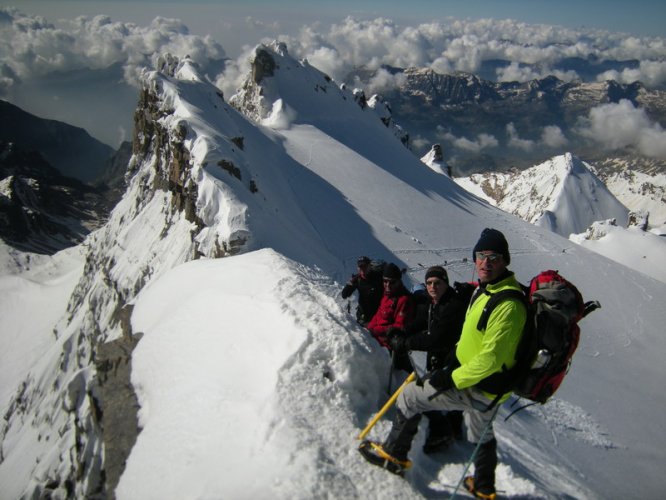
(436, 327)
(370, 290)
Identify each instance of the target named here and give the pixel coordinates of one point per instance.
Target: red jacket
(395, 310)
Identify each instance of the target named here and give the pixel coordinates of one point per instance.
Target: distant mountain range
(457, 109)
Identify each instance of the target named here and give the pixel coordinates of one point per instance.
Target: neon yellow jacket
(484, 353)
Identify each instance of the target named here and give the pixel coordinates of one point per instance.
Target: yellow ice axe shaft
(385, 408)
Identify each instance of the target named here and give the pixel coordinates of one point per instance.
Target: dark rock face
(41, 210)
(113, 182)
(264, 66)
(117, 405)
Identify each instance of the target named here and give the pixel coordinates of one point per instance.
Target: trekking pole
(386, 407)
(390, 377)
(475, 452)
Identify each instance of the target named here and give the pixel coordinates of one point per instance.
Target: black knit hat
(391, 271)
(363, 260)
(492, 240)
(437, 272)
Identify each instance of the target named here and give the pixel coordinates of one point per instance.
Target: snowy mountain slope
(640, 250)
(291, 204)
(43, 286)
(561, 194)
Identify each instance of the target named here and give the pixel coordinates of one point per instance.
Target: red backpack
(550, 338)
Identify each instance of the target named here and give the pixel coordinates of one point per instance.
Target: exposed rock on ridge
(260, 100)
(75, 417)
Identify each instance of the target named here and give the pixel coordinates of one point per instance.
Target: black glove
(398, 344)
(441, 379)
(396, 340)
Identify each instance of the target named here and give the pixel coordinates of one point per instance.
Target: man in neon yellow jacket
(479, 356)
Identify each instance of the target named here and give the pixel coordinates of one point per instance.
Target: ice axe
(385, 408)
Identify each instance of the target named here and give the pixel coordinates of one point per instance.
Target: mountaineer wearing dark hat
(436, 330)
(368, 282)
(464, 384)
(396, 307)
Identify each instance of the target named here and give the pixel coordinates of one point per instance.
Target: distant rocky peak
(254, 99)
(435, 160)
(182, 68)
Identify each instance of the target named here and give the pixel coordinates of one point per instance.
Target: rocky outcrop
(117, 406)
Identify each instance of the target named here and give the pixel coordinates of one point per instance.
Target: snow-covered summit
(561, 194)
(281, 90)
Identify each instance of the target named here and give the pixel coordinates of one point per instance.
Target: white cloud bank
(619, 125)
(532, 49)
(30, 46)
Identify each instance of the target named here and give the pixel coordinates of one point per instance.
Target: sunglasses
(492, 257)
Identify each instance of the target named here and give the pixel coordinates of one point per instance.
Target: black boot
(484, 468)
(455, 419)
(392, 455)
(399, 440)
(440, 434)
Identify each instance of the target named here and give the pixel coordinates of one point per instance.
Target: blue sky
(227, 20)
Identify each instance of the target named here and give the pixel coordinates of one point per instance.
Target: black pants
(403, 430)
(484, 467)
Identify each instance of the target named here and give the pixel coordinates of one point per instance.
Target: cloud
(515, 141)
(384, 81)
(514, 72)
(31, 47)
(534, 51)
(650, 73)
(482, 141)
(234, 74)
(553, 137)
(620, 125)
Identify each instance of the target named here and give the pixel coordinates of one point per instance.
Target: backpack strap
(496, 298)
